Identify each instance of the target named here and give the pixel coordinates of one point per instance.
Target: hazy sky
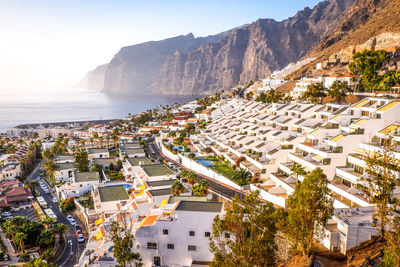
(53, 43)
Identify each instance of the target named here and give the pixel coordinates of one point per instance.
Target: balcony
(351, 196)
(348, 173)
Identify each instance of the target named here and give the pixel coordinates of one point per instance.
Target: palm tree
(204, 186)
(61, 229)
(46, 237)
(101, 139)
(91, 141)
(51, 167)
(19, 238)
(11, 230)
(191, 178)
(177, 188)
(47, 221)
(83, 142)
(108, 141)
(115, 138)
(298, 170)
(242, 177)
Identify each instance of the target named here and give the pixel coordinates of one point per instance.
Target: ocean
(69, 105)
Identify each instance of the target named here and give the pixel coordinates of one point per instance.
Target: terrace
(216, 165)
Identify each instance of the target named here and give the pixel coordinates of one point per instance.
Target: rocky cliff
(185, 65)
(94, 80)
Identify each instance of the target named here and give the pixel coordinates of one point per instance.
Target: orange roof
(206, 111)
(149, 221)
(118, 206)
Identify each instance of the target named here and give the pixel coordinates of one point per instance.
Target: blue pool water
(127, 186)
(205, 162)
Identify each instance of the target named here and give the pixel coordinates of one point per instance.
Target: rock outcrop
(94, 80)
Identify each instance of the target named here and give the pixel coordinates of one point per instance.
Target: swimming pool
(204, 162)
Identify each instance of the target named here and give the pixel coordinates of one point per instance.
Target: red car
(78, 232)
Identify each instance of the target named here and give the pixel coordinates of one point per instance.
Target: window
(227, 235)
(191, 248)
(157, 261)
(151, 245)
(165, 231)
(170, 246)
(192, 233)
(207, 234)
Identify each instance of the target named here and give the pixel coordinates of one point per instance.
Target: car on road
(78, 232)
(81, 239)
(77, 227)
(72, 222)
(48, 192)
(55, 200)
(6, 214)
(69, 217)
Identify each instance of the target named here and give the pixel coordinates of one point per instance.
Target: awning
(142, 186)
(99, 221)
(317, 158)
(163, 202)
(99, 236)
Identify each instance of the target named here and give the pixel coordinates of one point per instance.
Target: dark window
(165, 231)
(192, 233)
(151, 245)
(157, 261)
(207, 234)
(191, 248)
(227, 235)
(170, 246)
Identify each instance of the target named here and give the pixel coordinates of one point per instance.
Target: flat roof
(160, 192)
(132, 150)
(113, 193)
(174, 199)
(105, 161)
(157, 170)
(161, 183)
(96, 150)
(200, 206)
(85, 177)
(65, 166)
(137, 161)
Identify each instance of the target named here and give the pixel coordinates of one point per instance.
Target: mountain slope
(185, 65)
(368, 24)
(248, 54)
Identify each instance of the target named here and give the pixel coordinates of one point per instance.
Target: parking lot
(28, 212)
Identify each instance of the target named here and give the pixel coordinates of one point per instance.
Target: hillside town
(163, 187)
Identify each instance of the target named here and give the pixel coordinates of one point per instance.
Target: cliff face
(249, 53)
(132, 69)
(185, 65)
(94, 80)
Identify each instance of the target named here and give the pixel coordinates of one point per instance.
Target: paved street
(74, 249)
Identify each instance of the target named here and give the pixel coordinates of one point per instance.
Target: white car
(72, 222)
(81, 239)
(6, 214)
(55, 200)
(69, 217)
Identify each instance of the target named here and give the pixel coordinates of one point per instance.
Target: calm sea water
(69, 105)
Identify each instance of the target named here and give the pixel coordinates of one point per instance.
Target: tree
(47, 237)
(309, 208)
(96, 167)
(19, 239)
(191, 178)
(108, 138)
(123, 244)
(201, 189)
(39, 263)
(314, 92)
(48, 254)
(177, 188)
(68, 205)
(339, 90)
(245, 235)
(81, 160)
(382, 169)
(51, 167)
(115, 138)
(242, 177)
(392, 250)
(367, 64)
(298, 170)
(60, 229)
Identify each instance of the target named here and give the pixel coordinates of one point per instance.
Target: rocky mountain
(367, 24)
(94, 80)
(185, 65)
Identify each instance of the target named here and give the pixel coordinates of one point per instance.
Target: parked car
(78, 233)
(81, 239)
(72, 222)
(6, 214)
(55, 200)
(77, 227)
(69, 217)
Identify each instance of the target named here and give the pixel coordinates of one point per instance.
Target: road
(72, 252)
(215, 186)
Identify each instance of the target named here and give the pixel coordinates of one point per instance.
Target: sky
(53, 43)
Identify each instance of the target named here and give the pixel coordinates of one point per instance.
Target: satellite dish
(209, 197)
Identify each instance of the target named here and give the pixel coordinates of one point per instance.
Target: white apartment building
(97, 153)
(170, 236)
